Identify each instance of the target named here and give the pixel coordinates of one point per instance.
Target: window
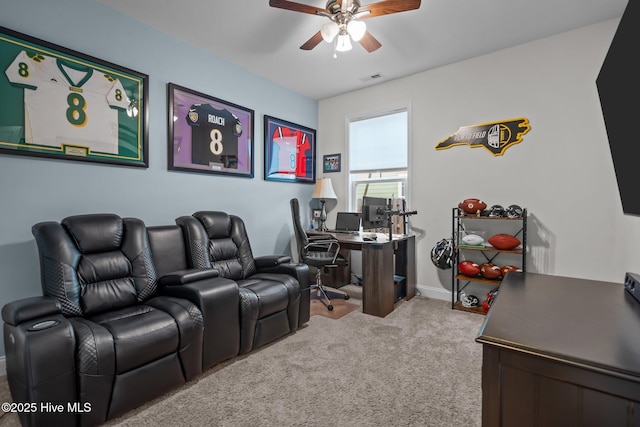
(378, 157)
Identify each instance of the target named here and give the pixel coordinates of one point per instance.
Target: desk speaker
(632, 285)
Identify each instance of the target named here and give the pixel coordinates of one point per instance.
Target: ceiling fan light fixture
(329, 31)
(356, 29)
(344, 43)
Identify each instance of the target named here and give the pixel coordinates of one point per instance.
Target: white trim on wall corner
(436, 293)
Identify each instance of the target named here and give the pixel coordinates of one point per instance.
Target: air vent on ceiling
(374, 76)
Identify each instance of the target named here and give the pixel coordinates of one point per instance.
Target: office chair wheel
(330, 307)
(346, 297)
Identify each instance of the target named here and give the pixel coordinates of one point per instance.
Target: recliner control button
(45, 324)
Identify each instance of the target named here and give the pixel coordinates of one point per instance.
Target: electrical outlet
(632, 285)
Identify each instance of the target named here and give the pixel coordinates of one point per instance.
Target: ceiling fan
(346, 20)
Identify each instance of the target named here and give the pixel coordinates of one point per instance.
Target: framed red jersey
(290, 151)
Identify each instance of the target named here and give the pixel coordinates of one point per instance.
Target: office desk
(378, 268)
(560, 351)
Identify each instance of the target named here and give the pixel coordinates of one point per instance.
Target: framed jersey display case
(289, 151)
(209, 135)
(63, 104)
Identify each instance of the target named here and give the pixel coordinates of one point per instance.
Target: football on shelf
(504, 241)
(472, 239)
(472, 206)
(508, 268)
(468, 268)
(490, 271)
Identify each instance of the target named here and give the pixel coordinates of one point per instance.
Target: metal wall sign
(494, 136)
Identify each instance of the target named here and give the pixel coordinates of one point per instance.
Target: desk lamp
(323, 191)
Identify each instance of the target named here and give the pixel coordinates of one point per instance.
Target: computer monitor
(348, 222)
(373, 212)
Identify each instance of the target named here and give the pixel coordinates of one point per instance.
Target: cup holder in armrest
(45, 324)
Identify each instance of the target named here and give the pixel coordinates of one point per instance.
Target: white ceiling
(266, 40)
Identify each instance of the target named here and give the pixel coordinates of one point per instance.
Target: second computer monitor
(374, 212)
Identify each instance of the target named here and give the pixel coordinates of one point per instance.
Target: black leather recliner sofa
(272, 302)
(125, 317)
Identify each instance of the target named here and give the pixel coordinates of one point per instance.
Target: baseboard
(436, 293)
(3, 366)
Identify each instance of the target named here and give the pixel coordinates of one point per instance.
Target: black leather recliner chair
(101, 335)
(273, 302)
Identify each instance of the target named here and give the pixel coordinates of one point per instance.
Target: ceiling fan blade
(369, 42)
(388, 7)
(297, 7)
(312, 42)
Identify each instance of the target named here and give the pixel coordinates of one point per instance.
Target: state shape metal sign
(496, 137)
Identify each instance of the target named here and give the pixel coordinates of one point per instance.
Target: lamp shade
(356, 29)
(324, 190)
(344, 43)
(329, 31)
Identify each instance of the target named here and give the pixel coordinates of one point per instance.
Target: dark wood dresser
(560, 351)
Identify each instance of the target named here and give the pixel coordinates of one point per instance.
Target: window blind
(378, 143)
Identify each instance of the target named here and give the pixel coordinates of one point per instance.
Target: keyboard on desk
(344, 232)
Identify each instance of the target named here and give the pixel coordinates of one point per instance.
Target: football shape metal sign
(495, 136)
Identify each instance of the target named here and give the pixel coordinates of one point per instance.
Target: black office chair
(320, 252)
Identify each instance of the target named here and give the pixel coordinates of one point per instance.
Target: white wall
(562, 171)
(33, 190)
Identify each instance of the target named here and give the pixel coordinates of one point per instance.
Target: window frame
(354, 182)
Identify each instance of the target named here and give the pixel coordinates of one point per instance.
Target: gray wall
(33, 190)
(562, 171)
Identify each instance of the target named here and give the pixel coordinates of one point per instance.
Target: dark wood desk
(561, 351)
(378, 268)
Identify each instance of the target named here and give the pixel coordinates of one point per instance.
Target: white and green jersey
(67, 103)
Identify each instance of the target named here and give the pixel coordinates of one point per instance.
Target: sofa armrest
(301, 273)
(219, 302)
(184, 277)
(270, 261)
(283, 265)
(26, 309)
(39, 344)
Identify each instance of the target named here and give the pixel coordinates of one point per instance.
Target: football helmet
(442, 254)
(513, 211)
(496, 211)
(470, 301)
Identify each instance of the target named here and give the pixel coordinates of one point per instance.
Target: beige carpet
(419, 366)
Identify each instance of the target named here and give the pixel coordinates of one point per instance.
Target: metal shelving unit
(460, 220)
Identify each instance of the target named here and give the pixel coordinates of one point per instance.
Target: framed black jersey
(290, 151)
(63, 104)
(209, 135)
